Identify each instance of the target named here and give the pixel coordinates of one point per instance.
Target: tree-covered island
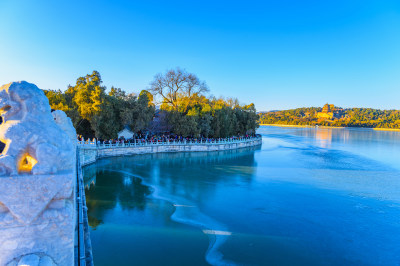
(331, 115)
(176, 102)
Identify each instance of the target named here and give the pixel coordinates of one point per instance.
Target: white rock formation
(65, 123)
(34, 143)
(37, 166)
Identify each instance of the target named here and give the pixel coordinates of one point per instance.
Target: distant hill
(330, 115)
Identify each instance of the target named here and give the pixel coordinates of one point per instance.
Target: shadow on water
(178, 165)
(118, 191)
(110, 189)
(106, 188)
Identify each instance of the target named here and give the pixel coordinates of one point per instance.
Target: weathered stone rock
(34, 142)
(26, 196)
(65, 123)
(12, 263)
(46, 261)
(37, 180)
(48, 228)
(31, 260)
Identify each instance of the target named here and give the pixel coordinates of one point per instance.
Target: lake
(307, 196)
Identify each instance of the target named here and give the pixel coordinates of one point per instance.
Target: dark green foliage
(97, 114)
(137, 112)
(212, 118)
(184, 110)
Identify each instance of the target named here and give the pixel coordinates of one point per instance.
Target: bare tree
(174, 83)
(194, 85)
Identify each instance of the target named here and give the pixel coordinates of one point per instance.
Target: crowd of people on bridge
(162, 138)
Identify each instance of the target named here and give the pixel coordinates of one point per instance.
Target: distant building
(125, 133)
(329, 111)
(327, 108)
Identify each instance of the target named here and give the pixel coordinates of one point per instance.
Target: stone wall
(89, 154)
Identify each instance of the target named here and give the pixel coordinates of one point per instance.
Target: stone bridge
(43, 218)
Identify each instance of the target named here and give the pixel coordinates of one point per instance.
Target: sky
(277, 54)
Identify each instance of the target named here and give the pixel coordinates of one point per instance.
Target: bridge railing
(141, 143)
(84, 256)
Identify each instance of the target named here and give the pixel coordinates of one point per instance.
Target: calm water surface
(305, 197)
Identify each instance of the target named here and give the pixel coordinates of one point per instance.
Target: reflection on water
(89, 175)
(180, 179)
(325, 137)
(113, 189)
(378, 145)
(307, 197)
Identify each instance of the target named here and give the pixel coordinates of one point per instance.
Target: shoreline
(386, 129)
(308, 126)
(302, 126)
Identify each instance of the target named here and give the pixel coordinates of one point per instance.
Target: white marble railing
(142, 143)
(90, 151)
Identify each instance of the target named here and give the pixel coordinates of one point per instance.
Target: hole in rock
(26, 164)
(6, 108)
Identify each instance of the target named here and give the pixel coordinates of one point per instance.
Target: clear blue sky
(277, 54)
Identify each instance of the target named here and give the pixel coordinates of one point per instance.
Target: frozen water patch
(214, 232)
(187, 212)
